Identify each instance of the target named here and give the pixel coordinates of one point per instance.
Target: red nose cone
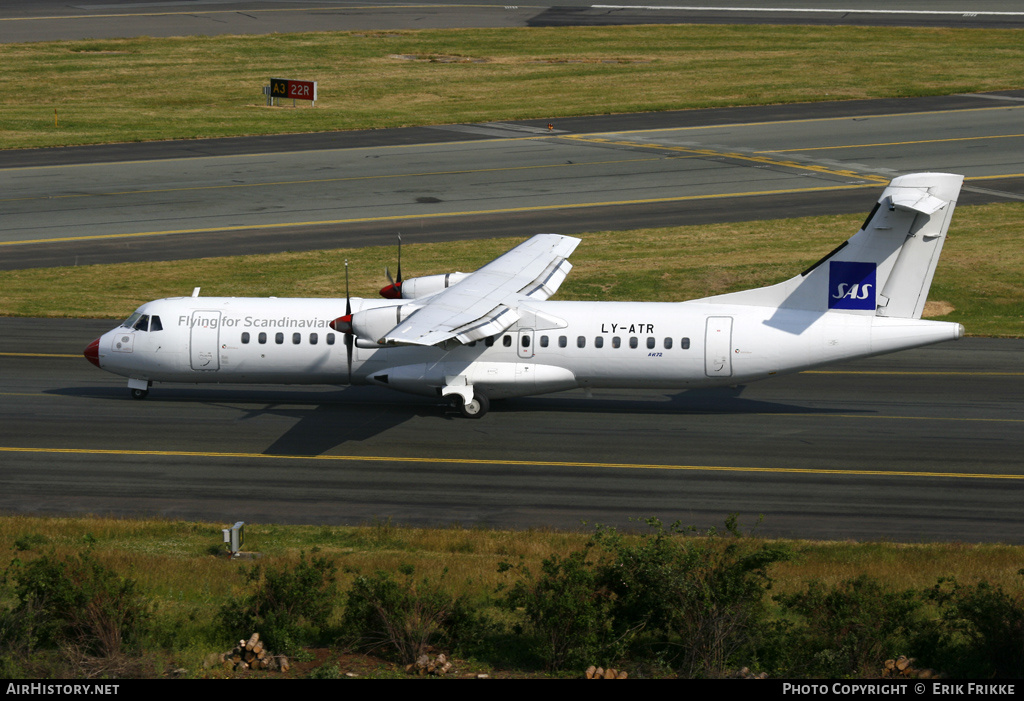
(392, 291)
(92, 352)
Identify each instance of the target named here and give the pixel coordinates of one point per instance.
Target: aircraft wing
(484, 304)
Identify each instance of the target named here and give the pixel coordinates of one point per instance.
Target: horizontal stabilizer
(914, 199)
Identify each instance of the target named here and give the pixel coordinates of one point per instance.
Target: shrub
(401, 618)
(691, 604)
(850, 629)
(694, 603)
(288, 606)
(980, 632)
(78, 603)
(568, 613)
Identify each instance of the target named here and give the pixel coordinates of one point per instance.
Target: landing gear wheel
(139, 393)
(473, 409)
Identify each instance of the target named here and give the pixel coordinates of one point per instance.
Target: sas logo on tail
(851, 285)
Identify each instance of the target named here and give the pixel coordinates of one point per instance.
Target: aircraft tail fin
(886, 268)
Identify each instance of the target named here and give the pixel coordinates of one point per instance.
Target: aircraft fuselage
(555, 346)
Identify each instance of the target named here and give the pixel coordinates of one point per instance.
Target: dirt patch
(437, 58)
(932, 309)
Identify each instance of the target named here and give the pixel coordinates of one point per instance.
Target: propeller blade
(349, 341)
(394, 289)
(399, 260)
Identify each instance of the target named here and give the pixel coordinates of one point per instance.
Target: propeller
(343, 324)
(394, 290)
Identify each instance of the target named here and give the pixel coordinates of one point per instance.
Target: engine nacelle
(373, 324)
(419, 287)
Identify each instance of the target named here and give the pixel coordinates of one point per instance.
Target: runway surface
(918, 446)
(135, 202)
(46, 20)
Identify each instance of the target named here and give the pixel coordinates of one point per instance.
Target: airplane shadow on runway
(326, 420)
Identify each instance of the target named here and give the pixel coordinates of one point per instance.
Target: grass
(980, 275)
(176, 562)
(185, 582)
(119, 90)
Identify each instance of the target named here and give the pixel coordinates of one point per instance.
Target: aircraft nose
(92, 352)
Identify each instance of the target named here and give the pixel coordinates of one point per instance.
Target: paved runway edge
(594, 124)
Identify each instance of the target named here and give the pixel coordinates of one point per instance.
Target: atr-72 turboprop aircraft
(493, 333)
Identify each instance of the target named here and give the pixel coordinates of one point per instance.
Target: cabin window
(581, 341)
(616, 341)
(296, 338)
(633, 342)
(651, 343)
(279, 338)
(245, 337)
(507, 341)
(262, 337)
(330, 339)
(668, 343)
(489, 341)
(313, 339)
(598, 341)
(563, 341)
(685, 344)
(154, 324)
(525, 341)
(543, 341)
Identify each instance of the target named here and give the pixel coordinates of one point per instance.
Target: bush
(980, 632)
(401, 619)
(567, 611)
(691, 604)
(694, 603)
(288, 607)
(850, 629)
(77, 603)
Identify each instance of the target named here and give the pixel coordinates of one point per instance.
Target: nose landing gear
(139, 389)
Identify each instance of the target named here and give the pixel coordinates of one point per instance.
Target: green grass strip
(84, 92)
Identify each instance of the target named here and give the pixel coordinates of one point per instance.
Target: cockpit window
(130, 321)
(142, 324)
(154, 324)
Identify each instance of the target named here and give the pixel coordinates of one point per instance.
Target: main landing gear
(474, 408)
(471, 403)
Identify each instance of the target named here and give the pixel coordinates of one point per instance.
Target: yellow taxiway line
(435, 215)
(505, 463)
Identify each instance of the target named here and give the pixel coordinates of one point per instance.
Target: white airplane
(491, 334)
